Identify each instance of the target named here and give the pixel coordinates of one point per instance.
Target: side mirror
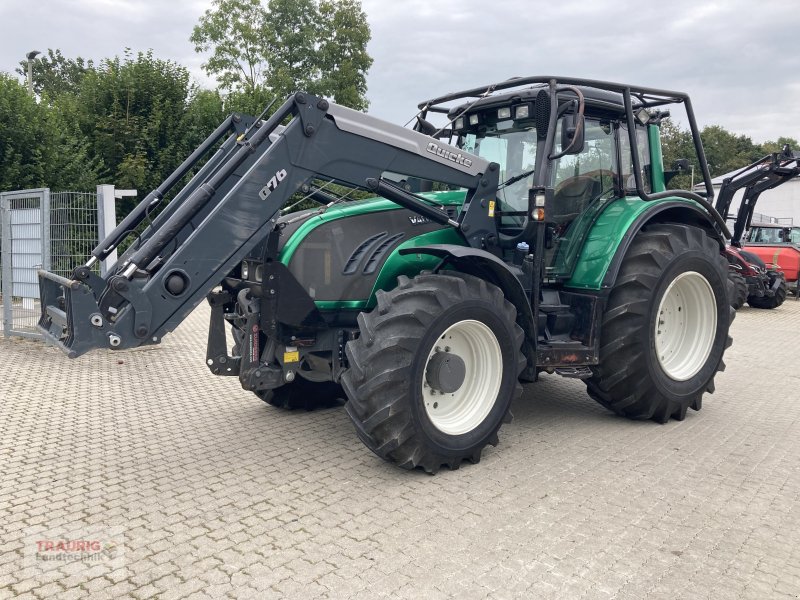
(682, 165)
(572, 134)
(425, 127)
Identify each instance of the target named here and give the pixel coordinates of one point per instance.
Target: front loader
(546, 242)
(755, 273)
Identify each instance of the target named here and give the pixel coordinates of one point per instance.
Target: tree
(54, 74)
(71, 162)
(676, 144)
(258, 51)
(726, 151)
(777, 146)
(41, 145)
(234, 31)
(343, 58)
(22, 134)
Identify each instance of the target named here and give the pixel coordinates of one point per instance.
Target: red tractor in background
(777, 244)
(759, 274)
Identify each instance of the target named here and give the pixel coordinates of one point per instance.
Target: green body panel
(350, 209)
(569, 248)
(411, 264)
(605, 236)
(395, 264)
(594, 240)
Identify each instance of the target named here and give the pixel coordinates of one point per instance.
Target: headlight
(459, 124)
(522, 112)
(245, 270)
(473, 119)
(504, 113)
(259, 273)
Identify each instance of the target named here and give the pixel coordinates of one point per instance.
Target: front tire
(304, 394)
(299, 394)
(434, 370)
(739, 291)
(665, 328)
(776, 299)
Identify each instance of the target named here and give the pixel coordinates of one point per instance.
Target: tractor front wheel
(304, 394)
(739, 290)
(433, 373)
(665, 327)
(301, 393)
(776, 299)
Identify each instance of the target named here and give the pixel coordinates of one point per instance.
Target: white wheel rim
(465, 409)
(685, 326)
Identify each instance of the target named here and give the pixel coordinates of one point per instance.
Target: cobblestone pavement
(207, 492)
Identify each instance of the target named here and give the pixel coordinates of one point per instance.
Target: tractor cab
(589, 164)
(774, 233)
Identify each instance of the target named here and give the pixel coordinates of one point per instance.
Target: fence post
(46, 250)
(107, 218)
(8, 314)
(106, 221)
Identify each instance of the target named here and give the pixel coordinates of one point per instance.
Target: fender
(612, 233)
(487, 266)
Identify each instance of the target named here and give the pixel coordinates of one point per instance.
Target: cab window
(580, 179)
(628, 180)
(767, 235)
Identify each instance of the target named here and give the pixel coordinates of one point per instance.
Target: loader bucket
(68, 310)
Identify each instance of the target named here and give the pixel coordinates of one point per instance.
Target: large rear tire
(434, 370)
(665, 328)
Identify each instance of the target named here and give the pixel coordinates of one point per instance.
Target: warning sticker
(491, 208)
(291, 355)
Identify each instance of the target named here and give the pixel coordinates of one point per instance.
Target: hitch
(71, 319)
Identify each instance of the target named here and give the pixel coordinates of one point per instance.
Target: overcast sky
(739, 60)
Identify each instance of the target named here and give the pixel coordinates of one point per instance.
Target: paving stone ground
(214, 494)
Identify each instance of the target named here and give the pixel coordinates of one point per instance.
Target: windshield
(764, 235)
(515, 151)
(794, 235)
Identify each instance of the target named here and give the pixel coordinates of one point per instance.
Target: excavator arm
(232, 204)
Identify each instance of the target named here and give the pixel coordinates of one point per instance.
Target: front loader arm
(765, 174)
(231, 206)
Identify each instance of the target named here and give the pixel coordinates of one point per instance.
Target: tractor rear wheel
(739, 292)
(771, 301)
(665, 327)
(434, 370)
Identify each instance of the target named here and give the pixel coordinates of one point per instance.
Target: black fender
(679, 212)
(487, 266)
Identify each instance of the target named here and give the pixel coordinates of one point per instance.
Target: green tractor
(532, 232)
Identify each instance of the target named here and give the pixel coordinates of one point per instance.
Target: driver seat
(572, 197)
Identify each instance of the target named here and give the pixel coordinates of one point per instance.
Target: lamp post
(30, 56)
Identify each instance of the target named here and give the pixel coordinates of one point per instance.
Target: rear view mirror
(425, 127)
(572, 134)
(682, 165)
